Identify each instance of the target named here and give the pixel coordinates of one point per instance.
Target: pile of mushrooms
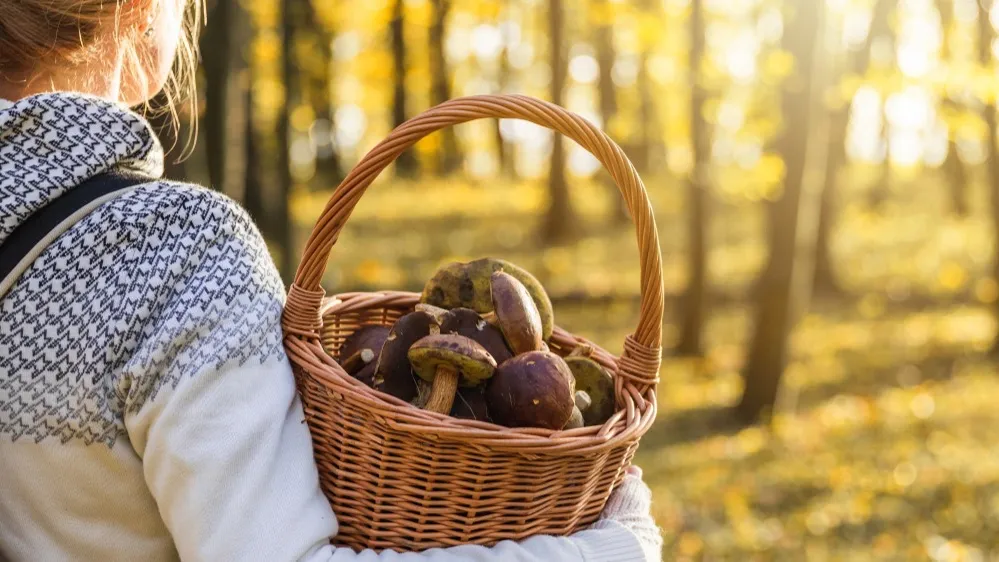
(475, 348)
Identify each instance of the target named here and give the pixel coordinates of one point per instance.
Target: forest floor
(883, 444)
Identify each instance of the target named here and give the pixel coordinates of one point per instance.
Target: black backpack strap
(30, 238)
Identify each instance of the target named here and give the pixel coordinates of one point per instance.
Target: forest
(825, 176)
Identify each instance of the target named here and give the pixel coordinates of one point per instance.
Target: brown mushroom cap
(367, 374)
(371, 336)
(598, 384)
(534, 389)
(454, 352)
(516, 314)
(393, 375)
(468, 323)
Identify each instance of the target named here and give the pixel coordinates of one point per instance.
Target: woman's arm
(612, 538)
(212, 411)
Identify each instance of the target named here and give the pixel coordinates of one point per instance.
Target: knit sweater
(147, 407)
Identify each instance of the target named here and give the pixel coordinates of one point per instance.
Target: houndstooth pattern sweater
(147, 408)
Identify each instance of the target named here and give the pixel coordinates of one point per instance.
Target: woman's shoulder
(176, 207)
(188, 230)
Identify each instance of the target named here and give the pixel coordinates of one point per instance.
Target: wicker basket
(407, 479)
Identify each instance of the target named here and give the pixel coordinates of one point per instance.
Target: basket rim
(631, 420)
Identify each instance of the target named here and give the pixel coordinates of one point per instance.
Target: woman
(147, 409)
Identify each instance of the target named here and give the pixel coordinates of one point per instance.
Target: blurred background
(826, 184)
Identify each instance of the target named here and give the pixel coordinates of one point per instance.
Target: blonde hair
(65, 32)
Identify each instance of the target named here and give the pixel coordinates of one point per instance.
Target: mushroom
(534, 389)
(470, 403)
(393, 374)
(467, 285)
(598, 385)
(371, 337)
(358, 360)
(583, 399)
(468, 323)
(575, 420)
(445, 360)
(440, 314)
(516, 314)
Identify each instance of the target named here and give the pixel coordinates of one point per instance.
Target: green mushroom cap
(598, 384)
(452, 352)
(457, 285)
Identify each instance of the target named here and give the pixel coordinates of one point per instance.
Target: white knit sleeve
(607, 542)
(213, 413)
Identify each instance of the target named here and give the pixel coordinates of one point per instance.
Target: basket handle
(642, 351)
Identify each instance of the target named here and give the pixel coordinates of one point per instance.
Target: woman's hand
(631, 505)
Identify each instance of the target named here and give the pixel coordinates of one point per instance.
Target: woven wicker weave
(407, 479)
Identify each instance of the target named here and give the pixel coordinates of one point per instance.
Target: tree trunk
(881, 29)
(825, 281)
(561, 223)
(406, 165)
(449, 156)
(170, 135)
(646, 113)
(318, 79)
(504, 157)
(957, 176)
(603, 38)
(773, 316)
(986, 37)
(651, 150)
(282, 235)
(881, 189)
(695, 296)
(215, 47)
(225, 88)
(254, 199)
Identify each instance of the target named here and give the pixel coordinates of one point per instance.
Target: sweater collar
(51, 142)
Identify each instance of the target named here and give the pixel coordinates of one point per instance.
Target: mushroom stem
(358, 360)
(489, 317)
(582, 350)
(443, 391)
